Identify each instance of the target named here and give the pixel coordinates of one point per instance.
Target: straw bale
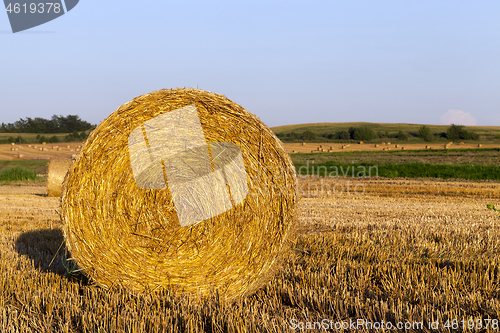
(376, 146)
(479, 145)
(12, 144)
(67, 147)
(388, 143)
(403, 148)
(461, 143)
(303, 143)
(124, 212)
(57, 170)
(43, 143)
(19, 155)
(29, 146)
(361, 142)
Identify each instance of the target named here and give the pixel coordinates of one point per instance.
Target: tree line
(57, 124)
(365, 133)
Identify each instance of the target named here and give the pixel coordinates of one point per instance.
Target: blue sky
(288, 62)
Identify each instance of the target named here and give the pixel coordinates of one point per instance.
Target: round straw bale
(57, 170)
(12, 144)
(180, 189)
(19, 155)
(44, 143)
(29, 146)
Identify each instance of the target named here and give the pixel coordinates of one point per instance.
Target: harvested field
(59, 150)
(402, 251)
(308, 147)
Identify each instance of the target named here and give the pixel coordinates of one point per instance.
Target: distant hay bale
(461, 143)
(43, 143)
(396, 146)
(19, 155)
(67, 147)
(57, 170)
(29, 146)
(376, 146)
(403, 148)
(180, 188)
(479, 145)
(12, 144)
(303, 143)
(388, 143)
(361, 142)
(450, 143)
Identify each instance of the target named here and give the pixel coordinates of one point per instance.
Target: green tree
(424, 132)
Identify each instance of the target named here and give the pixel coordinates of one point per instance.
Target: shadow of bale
(47, 249)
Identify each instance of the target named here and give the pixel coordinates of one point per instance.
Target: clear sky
(288, 62)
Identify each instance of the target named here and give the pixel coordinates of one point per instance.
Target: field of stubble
(398, 251)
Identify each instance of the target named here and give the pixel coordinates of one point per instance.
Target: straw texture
(57, 170)
(223, 223)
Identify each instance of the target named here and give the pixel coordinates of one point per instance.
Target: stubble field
(404, 252)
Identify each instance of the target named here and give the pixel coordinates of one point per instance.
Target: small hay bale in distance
(57, 170)
(125, 197)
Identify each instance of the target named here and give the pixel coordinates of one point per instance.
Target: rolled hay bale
(479, 145)
(396, 146)
(12, 144)
(29, 146)
(67, 147)
(44, 143)
(361, 142)
(461, 143)
(19, 155)
(376, 146)
(403, 148)
(388, 143)
(303, 143)
(180, 189)
(57, 170)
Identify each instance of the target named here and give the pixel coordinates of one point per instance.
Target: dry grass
(431, 253)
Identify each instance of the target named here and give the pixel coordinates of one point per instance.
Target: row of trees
(454, 132)
(365, 133)
(57, 124)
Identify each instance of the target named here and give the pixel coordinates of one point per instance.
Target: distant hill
(329, 132)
